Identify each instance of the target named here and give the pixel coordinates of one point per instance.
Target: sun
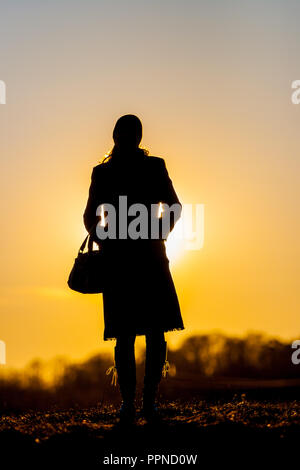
(175, 244)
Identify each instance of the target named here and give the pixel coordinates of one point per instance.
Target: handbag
(89, 270)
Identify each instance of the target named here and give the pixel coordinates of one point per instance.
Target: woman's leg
(125, 364)
(155, 358)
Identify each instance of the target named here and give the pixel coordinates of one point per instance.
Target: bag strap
(89, 239)
(82, 247)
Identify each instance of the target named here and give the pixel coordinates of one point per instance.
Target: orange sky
(212, 87)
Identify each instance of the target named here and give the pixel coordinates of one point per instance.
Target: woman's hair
(129, 127)
(108, 156)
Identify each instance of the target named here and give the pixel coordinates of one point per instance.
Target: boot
(126, 369)
(155, 360)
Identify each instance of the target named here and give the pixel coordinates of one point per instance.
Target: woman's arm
(89, 217)
(169, 197)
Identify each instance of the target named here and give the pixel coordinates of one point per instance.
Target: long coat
(139, 294)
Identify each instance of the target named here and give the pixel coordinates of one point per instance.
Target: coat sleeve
(169, 197)
(168, 194)
(89, 217)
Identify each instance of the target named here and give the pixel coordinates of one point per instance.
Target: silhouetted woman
(139, 297)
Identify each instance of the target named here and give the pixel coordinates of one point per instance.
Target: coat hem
(112, 338)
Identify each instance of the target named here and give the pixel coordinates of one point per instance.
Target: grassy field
(229, 402)
(217, 430)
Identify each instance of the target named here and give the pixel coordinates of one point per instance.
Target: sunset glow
(212, 87)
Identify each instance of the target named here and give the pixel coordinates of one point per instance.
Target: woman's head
(127, 135)
(127, 132)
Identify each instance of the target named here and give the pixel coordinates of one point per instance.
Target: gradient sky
(211, 82)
